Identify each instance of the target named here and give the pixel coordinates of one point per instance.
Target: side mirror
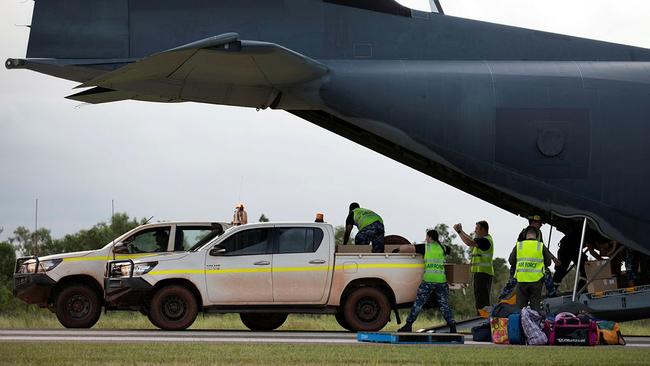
(216, 252)
(121, 248)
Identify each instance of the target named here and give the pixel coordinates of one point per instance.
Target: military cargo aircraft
(527, 120)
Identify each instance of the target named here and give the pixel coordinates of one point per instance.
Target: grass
(52, 354)
(44, 319)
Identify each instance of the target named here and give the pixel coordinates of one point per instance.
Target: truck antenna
(35, 249)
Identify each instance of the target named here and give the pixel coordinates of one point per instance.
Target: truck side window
(299, 240)
(188, 236)
(149, 241)
(249, 242)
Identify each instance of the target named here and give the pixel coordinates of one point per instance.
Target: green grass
(43, 319)
(52, 354)
(133, 320)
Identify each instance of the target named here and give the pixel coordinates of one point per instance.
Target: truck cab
(71, 284)
(265, 272)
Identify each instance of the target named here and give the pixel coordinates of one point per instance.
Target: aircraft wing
(218, 69)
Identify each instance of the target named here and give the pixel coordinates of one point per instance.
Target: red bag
(499, 328)
(571, 330)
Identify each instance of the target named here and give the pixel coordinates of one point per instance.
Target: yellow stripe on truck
(123, 256)
(281, 269)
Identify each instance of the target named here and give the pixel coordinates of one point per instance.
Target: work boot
(452, 327)
(407, 328)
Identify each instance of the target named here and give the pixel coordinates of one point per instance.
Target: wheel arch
(78, 279)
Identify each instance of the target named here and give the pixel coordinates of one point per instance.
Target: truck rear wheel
(366, 309)
(77, 306)
(340, 318)
(263, 322)
(173, 308)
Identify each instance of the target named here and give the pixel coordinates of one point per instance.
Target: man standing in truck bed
(370, 225)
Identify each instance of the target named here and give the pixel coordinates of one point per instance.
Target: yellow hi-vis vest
(481, 260)
(364, 217)
(530, 261)
(434, 263)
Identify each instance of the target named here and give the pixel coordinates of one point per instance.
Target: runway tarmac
(206, 336)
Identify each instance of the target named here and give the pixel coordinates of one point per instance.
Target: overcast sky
(188, 161)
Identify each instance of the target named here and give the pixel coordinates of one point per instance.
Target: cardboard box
(353, 249)
(363, 249)
(603, 285)
(592, 267)
(457, 273)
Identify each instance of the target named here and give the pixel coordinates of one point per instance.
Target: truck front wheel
(263, 322)
(77, 306)
(173, 307)
(366, 309)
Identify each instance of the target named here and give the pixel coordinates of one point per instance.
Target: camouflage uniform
(372, 233)
(442, 295)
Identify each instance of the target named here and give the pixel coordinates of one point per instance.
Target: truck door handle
(262, 263)
(317, 261)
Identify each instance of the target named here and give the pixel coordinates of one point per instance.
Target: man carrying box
(481, 260)
(433, 281)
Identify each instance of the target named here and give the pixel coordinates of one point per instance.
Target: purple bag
(531, 324)
(571, 330)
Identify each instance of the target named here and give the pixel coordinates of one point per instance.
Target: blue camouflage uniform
(433, 283)
(424, 292)
(373, 233)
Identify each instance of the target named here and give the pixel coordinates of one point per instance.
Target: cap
(535, 218)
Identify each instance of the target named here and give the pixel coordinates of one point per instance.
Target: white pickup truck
(72, 284)
(265, 272)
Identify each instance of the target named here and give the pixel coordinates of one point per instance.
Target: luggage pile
(509, 325)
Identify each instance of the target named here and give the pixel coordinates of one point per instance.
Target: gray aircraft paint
(526, 120)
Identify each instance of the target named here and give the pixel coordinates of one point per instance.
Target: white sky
(187, 161)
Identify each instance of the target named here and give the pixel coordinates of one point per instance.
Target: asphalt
(207, 336)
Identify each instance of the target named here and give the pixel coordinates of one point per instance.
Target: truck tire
(77, 306)
(340, 318)
(263, 322)
(173, 307)
(366, 309)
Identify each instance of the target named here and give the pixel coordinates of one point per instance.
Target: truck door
(301, 265)
(238, 269)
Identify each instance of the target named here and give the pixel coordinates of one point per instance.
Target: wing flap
(219, 60)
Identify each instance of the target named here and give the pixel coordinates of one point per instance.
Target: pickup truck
(264, 272)
(72, 284)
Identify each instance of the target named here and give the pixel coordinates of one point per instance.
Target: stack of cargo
(603, 278)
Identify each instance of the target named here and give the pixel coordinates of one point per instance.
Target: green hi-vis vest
(530, 261)
(482, 259)
(364, 217)
(434, 263)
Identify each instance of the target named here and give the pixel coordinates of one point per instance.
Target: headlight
(143, 268)
(123, 269)
(43, 266)
(49, 264)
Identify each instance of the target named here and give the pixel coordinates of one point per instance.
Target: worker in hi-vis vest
(370, 225)
(481, 261)
(434, 280)
(530, 258)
